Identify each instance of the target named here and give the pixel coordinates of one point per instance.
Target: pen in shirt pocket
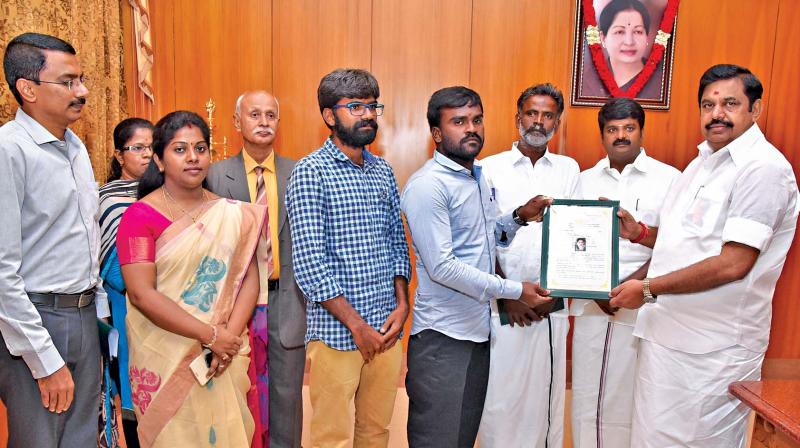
(492, 192)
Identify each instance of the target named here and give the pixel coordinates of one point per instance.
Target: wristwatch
(648, 296)
(518, 219)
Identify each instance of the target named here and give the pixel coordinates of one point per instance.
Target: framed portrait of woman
(624, 48)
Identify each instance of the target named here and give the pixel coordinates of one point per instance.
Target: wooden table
(777, 406)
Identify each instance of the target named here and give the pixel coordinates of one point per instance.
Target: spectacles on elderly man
(358, 108)
(138, 149)
(70, 83)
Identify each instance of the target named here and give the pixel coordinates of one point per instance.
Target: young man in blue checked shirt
(351, 262)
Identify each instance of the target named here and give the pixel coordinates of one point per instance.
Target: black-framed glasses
(138, 149)
(82, 80)
(358, 108)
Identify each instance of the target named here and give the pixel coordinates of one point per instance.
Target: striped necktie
(261, 199)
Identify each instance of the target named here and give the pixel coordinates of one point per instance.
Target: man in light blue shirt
(49, 247)
(455, 227)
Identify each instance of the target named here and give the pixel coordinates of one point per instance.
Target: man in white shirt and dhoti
(604, 349)
(706, 306)
(530, 351)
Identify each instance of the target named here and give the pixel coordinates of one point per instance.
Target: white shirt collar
(517, 155)
(641, 163)
(741, 149)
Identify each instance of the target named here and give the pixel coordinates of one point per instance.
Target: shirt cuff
(403, 269)
(509, 289)
(101, 305)
(45, 363)
(327, 289)
(507, 221)
(101, 301)
(508, 226)
(748, 232)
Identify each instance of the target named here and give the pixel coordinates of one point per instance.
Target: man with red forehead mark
(706, 304)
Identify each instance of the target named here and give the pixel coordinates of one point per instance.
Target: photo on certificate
(580, 248)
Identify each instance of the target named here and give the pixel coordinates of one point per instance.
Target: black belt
(272, 285)
(79, 300)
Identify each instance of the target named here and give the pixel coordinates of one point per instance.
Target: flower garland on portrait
(592, 33)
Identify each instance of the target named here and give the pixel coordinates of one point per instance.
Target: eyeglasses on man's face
(138, 149)
(69, 83)
(358, 108)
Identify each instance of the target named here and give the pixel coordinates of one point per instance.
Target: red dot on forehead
(716, 92)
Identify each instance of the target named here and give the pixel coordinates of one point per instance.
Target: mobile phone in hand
(200, 366)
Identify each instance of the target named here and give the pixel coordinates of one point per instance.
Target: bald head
(257, 93)
(257, 116)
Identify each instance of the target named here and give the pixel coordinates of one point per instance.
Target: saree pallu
(201, 267)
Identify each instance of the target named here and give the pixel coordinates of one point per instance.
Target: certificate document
(580, 248)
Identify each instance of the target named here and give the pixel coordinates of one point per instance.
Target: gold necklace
(166, 195)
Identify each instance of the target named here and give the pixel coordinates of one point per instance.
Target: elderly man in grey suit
(257, 174)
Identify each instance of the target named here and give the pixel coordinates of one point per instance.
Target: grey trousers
(75, 335)
(286, 368)
(446, 385)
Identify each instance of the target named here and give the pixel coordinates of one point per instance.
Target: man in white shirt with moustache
(706, 306)
(527, 373)
(603, 346)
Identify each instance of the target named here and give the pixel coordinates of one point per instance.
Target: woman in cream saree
(192, 283)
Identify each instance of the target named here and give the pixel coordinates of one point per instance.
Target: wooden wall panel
(310, 39)
(221, 49)
(247, 43)
(201, 59)
(215, 49)
(515, 47)
(433, 53)
(162, 32)
(783, 131)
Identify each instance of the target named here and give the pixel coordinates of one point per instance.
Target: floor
(397, 429)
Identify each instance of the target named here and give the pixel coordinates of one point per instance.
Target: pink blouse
(140, 227)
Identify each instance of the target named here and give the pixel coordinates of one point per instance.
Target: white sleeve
(760, 199)
(20, 322)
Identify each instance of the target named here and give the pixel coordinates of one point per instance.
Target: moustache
(622, 142)
(361, 123)
(536, 128)
(471, 135)
(718, 121)
(264, 129)
(78, 102)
